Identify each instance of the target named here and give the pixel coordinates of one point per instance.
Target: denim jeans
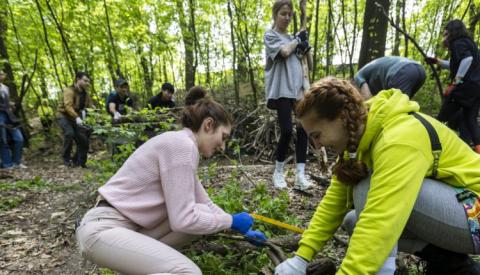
(10, 156)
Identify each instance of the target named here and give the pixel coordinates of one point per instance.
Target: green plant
(9, 202)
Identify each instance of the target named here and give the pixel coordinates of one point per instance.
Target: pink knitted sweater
(159, 182)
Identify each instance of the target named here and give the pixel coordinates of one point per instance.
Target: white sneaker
(301, 182)
(279, 180)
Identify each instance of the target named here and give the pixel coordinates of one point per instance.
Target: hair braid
(330, 98)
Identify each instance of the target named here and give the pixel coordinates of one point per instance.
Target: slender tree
(374, 32)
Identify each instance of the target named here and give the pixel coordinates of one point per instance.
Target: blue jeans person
(14, 156)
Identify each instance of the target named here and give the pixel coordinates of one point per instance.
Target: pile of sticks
(275, 251)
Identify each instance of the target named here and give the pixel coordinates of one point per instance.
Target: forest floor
(39, 206)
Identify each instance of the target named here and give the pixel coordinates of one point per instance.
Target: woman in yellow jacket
(386, 160)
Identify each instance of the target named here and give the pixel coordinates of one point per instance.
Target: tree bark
(474, 18)
(73, 67)
(15, 31)
(188, 43)
(345, 32)
(244, 39)
(396, 43)
(147, 80)
(374, 32)
(110, 36)
(234, 49)
(404, 26)
(193, 29)
(7, 67)
(315, 43)
(329, 38)
(50, 50)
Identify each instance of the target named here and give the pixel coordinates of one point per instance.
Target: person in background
(164, 97)
(71, 113)
(9, 127)
(154, 204)
(412, 194)
(390, 72)
(117, 101)
(463, 93)
(285, 83)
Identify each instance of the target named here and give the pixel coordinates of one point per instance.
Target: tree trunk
(474, 18)
(73, 67)
(17, 38)
(396, 43)
(374, 36)
(315, 43)
(234, 57)
(193, 29)
(110, 36)
(207, 59)
(345, 32)
(147, 80)
(189, 44)
(355, 29)
(7, 67)
(404, 24)
(50, 50)
(244, 39)
(329, 38)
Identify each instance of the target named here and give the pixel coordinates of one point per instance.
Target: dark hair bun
(194, 95)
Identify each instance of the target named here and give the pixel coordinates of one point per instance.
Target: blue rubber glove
(242, 222)
(255, 237)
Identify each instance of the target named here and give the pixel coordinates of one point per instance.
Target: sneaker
(301, 182)
(279, 180)
(20, 166)
(67, 163)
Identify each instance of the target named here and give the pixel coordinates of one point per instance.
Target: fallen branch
(392, 23)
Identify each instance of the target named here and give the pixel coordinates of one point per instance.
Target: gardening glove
(431, 60)
(79, 121)
(303, 48)
(301, 36)
(116, 116)
(255, 237)
(293, 266)
(84, 114)
(242, 222)
(449, 89)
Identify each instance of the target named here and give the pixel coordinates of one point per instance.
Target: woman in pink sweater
(155, 203)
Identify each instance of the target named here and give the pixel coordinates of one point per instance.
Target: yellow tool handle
(277, 223)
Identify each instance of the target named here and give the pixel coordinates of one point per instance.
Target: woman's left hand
(255, 237)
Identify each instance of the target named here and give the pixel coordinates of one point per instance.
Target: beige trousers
(111, 240)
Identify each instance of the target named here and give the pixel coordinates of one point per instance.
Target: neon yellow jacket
(396, 146)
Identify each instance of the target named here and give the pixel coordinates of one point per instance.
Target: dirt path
(36, 235)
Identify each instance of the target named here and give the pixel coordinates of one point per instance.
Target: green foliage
(9, 202)
(36, 183)
(244, 263)
(12, 199)
(123, 138)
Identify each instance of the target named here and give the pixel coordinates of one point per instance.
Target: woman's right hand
(293, 266)
(302, 36)
(242, 222)
(431, 60)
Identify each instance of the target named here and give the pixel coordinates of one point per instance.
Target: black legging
(284, 113)
(449, 108)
